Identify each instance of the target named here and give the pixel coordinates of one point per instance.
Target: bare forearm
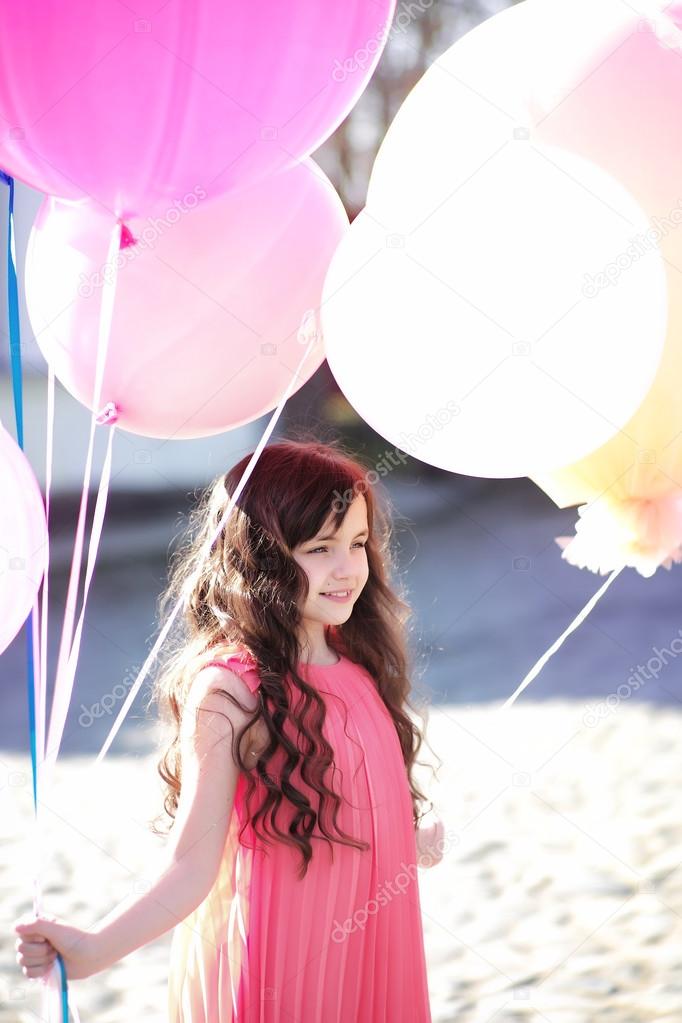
(143, 918)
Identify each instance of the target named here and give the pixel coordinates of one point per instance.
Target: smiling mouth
(339, 595)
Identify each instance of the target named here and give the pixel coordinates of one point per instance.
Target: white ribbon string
(63, 682)
(312, 338)
(537, 668)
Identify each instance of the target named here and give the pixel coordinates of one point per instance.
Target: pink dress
(343, 945)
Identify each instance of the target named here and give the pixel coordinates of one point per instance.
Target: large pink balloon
(128, 106)
(212, 301)
(23, 538)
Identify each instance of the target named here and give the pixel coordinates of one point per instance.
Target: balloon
(458, 313)
(605, 81)
(128, 107)
(213, 299)
(432, 185)
(23, 538)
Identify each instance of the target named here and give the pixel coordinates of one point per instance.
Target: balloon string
(313, 337)
(95, 536)
(537, 668)
(13, 315)
(49, 445)
(68, 677)
(70, 643)
(35, 658)
(40, 844)
(64, 678)
(69, 647)
(17, 393)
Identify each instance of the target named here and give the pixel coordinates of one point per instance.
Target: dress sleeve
(241, 664)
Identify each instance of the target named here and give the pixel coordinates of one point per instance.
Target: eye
(358, 543)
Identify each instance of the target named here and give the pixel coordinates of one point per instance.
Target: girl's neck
(316, 650)
(321, 659)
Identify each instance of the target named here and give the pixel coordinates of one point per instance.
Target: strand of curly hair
(244, 591)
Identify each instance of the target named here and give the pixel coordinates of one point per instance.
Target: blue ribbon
(13, 309)
(17, 392)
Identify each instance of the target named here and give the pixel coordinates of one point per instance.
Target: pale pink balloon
(23, 538)
(603, 80)
(132, 104)
(214, 298)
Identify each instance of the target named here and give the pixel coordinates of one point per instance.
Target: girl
(290, 878)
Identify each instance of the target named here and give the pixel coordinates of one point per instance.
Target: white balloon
(472, 329)
(493, 310)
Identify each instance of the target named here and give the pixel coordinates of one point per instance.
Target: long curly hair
(244, 591)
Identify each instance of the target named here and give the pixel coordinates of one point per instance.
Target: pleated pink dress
(344, 944)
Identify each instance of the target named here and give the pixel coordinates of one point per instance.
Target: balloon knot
(127, 237)
(108, 415)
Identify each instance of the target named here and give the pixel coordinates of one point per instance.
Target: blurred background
(526, 797)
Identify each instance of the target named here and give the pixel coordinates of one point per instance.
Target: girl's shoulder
(238, 660)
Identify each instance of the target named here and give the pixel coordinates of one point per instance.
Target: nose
(343, 567)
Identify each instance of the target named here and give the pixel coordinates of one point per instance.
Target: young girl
(290, 878)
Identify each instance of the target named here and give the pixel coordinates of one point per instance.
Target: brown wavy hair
(245, 591)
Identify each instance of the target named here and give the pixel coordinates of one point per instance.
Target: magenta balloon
(131, 106)
(210, 301)
(23, 538)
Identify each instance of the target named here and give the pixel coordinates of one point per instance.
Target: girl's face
(335, 563)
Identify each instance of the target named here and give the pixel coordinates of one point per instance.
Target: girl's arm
(209, 780)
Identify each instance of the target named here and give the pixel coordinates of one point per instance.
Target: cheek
(312, 570)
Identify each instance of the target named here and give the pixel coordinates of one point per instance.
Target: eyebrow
(363, 532)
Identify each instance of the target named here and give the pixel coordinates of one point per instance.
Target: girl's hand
(431, 844)
(42, 937)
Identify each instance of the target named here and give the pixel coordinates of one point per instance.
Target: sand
(559, 897)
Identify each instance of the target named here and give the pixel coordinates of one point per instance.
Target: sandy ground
(559, 898)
